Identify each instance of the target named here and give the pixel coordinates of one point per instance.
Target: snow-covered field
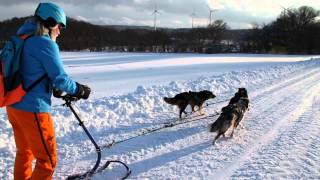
(280, 137)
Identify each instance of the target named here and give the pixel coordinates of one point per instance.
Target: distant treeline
(295, 31)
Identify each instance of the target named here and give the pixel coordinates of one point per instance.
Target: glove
(57, 93)
(83, 91)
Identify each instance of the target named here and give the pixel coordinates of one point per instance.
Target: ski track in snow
(279, 138)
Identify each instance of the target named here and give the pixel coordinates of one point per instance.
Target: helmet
(49, 10)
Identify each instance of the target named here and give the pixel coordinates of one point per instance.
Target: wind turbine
(193, 15)
(155, 12)
(210, 16)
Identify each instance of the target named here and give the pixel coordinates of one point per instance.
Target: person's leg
(24, 156)
(44, 146)
(39, 133)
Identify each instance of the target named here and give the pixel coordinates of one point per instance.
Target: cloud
(174, 13)
(16, 10)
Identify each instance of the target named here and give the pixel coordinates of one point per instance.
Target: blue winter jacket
(41, 56)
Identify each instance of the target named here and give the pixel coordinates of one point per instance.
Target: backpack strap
(26, 36)
(36, 83)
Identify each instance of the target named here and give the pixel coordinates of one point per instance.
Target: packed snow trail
(271, 113)
(294, 153)
(269, 118)
(276, 118)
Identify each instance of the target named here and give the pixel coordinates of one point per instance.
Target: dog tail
(172, 101)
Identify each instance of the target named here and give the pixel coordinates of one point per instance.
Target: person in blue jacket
(30, 118)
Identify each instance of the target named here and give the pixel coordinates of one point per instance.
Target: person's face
(55, 32)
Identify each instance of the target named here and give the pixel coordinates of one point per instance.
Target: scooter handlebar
(69, 98)
(63, 95)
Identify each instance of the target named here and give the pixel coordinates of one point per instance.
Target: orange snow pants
(35, 139)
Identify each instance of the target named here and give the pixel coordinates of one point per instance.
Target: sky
(238, 14)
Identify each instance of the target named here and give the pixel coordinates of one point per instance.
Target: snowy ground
(280, 138)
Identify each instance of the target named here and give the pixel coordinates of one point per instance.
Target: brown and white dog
(232, 114)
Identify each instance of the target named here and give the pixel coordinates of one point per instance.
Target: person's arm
(49, 56)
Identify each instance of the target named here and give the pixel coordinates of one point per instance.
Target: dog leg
(182, 109)
(241, 126)
(237, 123)
(192, 108)
(231, 135)
(201, 108)
(200, 111)
(180, 114)
(185, 112)
(233, 127)
(218, 135)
